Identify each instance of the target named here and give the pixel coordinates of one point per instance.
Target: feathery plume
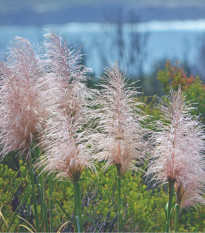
(122, 138)
(66, 137)
(20, 107)
(178, 152)
(122, 141)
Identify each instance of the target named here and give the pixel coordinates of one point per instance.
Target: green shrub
(174, 75)
(143, 207)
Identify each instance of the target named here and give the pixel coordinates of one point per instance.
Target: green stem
(34, 197)
(119, 198)
(43, 203)
(78, 207)
(119, 205)
(50, 202)
(176, 222)
(171, 188)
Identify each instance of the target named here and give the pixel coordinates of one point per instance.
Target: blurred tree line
(129, 49)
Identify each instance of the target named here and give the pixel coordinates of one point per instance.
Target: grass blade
(63, 226)
(29, 229)
(67, 215)
(27, 223)
(19, 206)
(50, 201)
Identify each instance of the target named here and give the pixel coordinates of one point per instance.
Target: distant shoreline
(27, 15)
(151, 26)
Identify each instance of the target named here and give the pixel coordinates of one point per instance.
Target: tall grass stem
(119, 198)
(119, 204)
(43, 203)
(51, 201)
(34, 196)
(176, 222)
(171, 188)
(77, 205)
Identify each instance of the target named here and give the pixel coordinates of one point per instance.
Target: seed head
(66, 135)
(122, 141)
(20, 107)
(179, 148)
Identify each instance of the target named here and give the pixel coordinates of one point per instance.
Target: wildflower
(20, 107)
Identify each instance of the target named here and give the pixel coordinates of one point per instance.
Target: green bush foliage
(12, 185)
(143, 206)
(173, 75)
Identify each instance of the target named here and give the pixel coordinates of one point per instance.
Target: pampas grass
(20, 106)
(178, 152)
(66, 136)
(122, 138)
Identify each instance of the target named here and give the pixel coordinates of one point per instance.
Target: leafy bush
(174, 75)
(143, 208)
(12, 184)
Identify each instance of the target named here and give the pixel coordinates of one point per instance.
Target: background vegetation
(143, 203)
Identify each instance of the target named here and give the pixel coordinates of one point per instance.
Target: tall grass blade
(34, 197)
(19, 206)
(1, 215)
(63, 226)
(29, 229)
(43, 203)
(67, 215)
(92, 221)
(50, 202)
(27, 223)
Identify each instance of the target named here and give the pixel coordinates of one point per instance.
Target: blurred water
(180, 40)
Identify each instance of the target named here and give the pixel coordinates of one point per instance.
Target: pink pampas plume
(122, 141)
(65, 77)
(20, 107)
(66, 135)
(179, 148)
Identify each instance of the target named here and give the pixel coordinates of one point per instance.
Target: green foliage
(142, 207)
(12, 161)
(12, 184)
(174, 76)
(192, 220)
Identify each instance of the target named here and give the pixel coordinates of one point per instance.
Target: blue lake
(179, 40)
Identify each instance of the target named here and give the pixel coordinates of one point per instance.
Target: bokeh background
(139, 35)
